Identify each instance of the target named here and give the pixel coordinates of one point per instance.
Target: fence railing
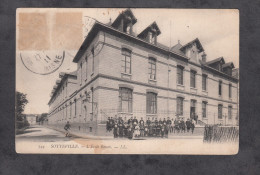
(215, 133)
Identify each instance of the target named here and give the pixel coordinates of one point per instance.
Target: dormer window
(125, 21)
(150, 33)
(151, 38)
(128, 29)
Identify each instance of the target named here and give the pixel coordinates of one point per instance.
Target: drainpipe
(168, 84)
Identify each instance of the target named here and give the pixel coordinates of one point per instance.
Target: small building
(126, 74)
(31, 118)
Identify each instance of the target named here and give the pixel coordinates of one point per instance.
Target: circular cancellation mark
(42, 62)
(47, 62)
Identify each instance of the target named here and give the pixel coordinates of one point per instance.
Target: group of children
(133, 128)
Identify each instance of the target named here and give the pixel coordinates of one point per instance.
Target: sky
(58, 30)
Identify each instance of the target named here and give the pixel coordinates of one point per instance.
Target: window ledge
(205, 91)
(129, 113)
(126, 73)
(152, 80)
(180, 85)
(151, 114)
(193, 88)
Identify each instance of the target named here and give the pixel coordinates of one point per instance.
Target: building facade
(126, 74)
(32, 119)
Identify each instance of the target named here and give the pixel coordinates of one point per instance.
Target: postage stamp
(127, 81)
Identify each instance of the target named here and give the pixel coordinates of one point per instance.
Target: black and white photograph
(127, 81)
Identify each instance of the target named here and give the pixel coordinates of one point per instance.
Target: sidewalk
(92, 137)
(82, 135)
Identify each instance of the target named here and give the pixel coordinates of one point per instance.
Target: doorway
(192, 109)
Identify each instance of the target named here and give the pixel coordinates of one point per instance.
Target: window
(193, 78)
(70, 109)
(86, 62)
(81, 73)
(75, 107)
(128, 29)
(180, 75)
(93, 56)
(179, 106)
(152, 39)
(92, 100)
(152, 68)
(204, 82)
(204, 109)
(80, 105)
(229, 112)
(125, 100)
(220, 111)
(220, 88)
(65, 111)
(126, 61)
(230, 90)
(151, 103)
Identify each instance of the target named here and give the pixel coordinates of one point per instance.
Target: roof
(176, 49)
(63, 76)
(229, 64)
(100, 26)
(201, 49)
(235, 73)
(162, 46)
(127, 12)
(216, 60)
(151, 26)
(219, 72)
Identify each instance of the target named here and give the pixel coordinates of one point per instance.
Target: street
(43, 140)
(37, 133)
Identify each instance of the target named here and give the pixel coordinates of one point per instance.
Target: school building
(126, 74)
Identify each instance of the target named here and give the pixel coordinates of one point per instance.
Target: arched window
(126, 61)
(230, 90)
(151, 103)
(229, 112)
(220, 107)
(204, 82)
(180, 75)
(179, 106)
(152, 68)
(204, 109)
(220, 88)
(193, 78)
(125, 99)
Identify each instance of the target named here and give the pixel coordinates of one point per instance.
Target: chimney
(204, 57)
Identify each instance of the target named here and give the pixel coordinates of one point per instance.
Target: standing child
(67, 128)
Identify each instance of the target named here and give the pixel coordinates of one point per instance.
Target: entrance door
(192, 112)
(192, 109)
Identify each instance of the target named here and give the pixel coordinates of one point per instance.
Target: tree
(20, 104)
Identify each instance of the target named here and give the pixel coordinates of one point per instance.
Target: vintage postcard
(127, 81)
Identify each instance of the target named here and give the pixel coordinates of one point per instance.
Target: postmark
(42, 62)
